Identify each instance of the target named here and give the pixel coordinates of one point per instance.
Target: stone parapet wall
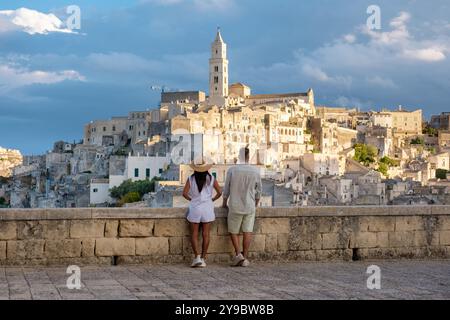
(136, 236)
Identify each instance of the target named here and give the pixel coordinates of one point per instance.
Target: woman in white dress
(199, 191)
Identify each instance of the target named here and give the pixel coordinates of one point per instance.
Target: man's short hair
(247, 154)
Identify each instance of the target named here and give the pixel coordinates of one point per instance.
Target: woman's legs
(206, 228)
(194, 238)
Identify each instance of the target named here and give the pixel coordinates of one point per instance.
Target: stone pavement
(400, 280)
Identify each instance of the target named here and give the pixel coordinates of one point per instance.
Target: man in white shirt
(242, 193)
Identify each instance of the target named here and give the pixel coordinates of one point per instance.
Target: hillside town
(308, 154)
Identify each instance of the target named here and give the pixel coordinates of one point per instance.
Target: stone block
(444, 223)
(258, 243)
(111, 229)
(108, 247)
(222, 227)
(299, 243)
(87, 229)
(328, 224)
(316, 241)
(55, 229)
(283, 242)
(8, 230)
(329, 255)
(176, 245)
(382, 239)
(218, 244)
(152, 246)
(380, 224)
(271, 242)
(171, 228)
(25, 249)
(330, 241)
(136, 228)
(411, 223)
(88, 247)
(364, 240)
(2, 250)
(69, 248)
(399, 239)
(444, 238)
(29, 230)
(274, 225)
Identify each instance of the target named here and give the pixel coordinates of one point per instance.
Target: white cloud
(12, 77)
(427, 54)
(402, 43)
(381, 82)
(349, 38)
(31, 22)
(356, 67)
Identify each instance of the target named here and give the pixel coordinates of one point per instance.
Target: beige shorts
(241, 222)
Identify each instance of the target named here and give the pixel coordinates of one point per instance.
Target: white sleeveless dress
(201, 207)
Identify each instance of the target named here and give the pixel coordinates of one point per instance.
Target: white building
(99, 191)
(143, 167)
(320, 163)
(381, 119)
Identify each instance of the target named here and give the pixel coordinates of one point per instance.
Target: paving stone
(291, 281)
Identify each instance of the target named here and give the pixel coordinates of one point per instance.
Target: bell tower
(218, 72)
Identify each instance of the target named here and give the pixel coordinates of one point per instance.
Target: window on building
(114, 128)
(216, 79)
(136, 173)
(104, 129)
(216, 69)
(95, 190)
(214, 174)
(147, 173)
(160, 171)
(131, 128)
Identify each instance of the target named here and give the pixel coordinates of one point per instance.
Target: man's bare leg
(236, 245)
(246, 242)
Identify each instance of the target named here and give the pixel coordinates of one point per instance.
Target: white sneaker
(237, 260)
(245, 263)
(203, 265)
(197, 262)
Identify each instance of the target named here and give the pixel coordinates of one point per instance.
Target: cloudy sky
(54, 79)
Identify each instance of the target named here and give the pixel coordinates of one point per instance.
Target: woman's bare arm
(186, 190)
(218, 191)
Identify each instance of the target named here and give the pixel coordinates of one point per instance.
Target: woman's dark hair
(201, 179)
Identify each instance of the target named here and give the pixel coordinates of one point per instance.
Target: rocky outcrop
(8, 160)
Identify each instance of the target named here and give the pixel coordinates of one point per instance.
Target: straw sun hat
(200, 165)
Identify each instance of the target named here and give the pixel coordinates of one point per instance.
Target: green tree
(130, 197)
(383, 168)
(432, 132)
(390, 162)
(365, 154)
(418, 141)
(441, 174)
(140, 187)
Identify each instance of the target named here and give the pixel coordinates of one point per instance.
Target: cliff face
(8, 160)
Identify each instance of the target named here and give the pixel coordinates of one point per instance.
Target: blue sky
(52, 81)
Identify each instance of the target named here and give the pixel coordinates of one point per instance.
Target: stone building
(441, 121)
